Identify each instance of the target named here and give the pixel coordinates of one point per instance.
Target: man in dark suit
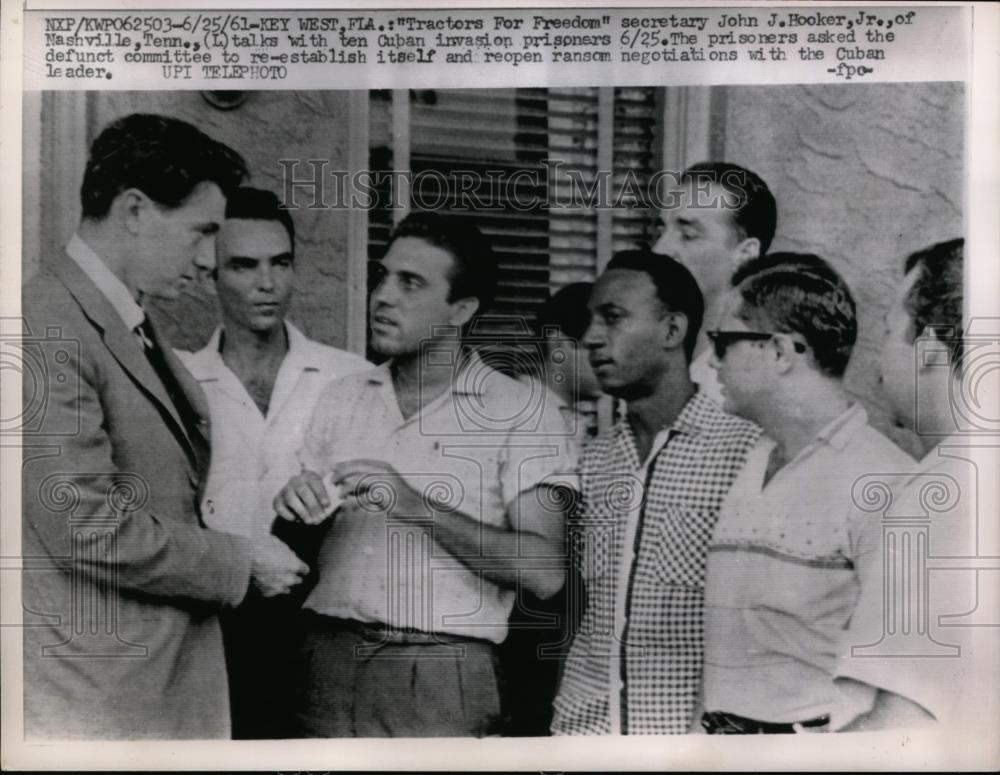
(123, 582)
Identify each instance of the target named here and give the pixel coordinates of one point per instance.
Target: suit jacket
(122, 581)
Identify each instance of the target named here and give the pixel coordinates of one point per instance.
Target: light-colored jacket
(122, 581)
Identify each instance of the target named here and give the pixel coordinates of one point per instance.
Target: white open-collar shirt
(254, 456)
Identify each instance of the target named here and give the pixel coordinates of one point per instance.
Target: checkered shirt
(641, 537)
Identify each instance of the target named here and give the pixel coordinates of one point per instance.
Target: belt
(376, 632)
(721, 723)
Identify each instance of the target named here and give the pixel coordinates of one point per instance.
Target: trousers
(362, 680)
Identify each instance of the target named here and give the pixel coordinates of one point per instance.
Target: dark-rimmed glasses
(722, 339)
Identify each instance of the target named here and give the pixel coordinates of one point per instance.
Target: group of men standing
(364, 533)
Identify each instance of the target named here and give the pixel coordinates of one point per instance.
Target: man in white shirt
(262, 378)
(719, 217)
(782, 577)
(448, 471)
(928, 642)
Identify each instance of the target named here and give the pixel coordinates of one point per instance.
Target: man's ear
(676, 330)
(746, 250)
(132, 206)
(462, 310)
(784, 349)
(933, 357)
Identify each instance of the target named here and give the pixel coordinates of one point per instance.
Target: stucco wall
(863, 176)
(269, 126)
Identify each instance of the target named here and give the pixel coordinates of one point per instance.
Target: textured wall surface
(863, 176)
(269, 126)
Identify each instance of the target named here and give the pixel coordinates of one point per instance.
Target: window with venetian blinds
(531, 168)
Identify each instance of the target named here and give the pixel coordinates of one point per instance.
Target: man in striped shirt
(782, 578)
(651, 491)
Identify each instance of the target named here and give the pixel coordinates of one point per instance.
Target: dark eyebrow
(689, 223)
(282, 257)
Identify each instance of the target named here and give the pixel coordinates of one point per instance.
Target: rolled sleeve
(548, 456)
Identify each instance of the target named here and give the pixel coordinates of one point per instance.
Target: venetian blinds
(549, 176)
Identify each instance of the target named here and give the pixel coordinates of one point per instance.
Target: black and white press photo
(622, 375)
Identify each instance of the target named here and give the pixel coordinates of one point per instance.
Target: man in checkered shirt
(651, 492)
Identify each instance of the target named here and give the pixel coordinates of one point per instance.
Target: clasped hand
(361, 486)
(275, 568)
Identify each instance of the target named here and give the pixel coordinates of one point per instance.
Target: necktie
(154, 354)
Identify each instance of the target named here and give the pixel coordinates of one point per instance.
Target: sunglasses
(721, 340)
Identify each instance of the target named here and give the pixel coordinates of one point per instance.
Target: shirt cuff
(238, 569)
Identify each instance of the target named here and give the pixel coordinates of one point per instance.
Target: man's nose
(384, 293)
(593, 336)
(665, 244)
(204, 258)
(265, 277)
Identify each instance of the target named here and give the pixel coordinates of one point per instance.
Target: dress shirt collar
(698, 415)
(468, 381)
(114, 290)
(934, 457)
(836, 434)
(839, 431)
(301, 354)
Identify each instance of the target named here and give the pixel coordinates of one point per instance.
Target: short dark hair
(816, 304)
(474, 267)
(675, 287)
(163, 157)
(754, 211)
(567, 310)
(255, 204)
(936, 297)
(804, 262)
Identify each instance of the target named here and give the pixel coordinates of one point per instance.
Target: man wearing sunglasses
(781, 582)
